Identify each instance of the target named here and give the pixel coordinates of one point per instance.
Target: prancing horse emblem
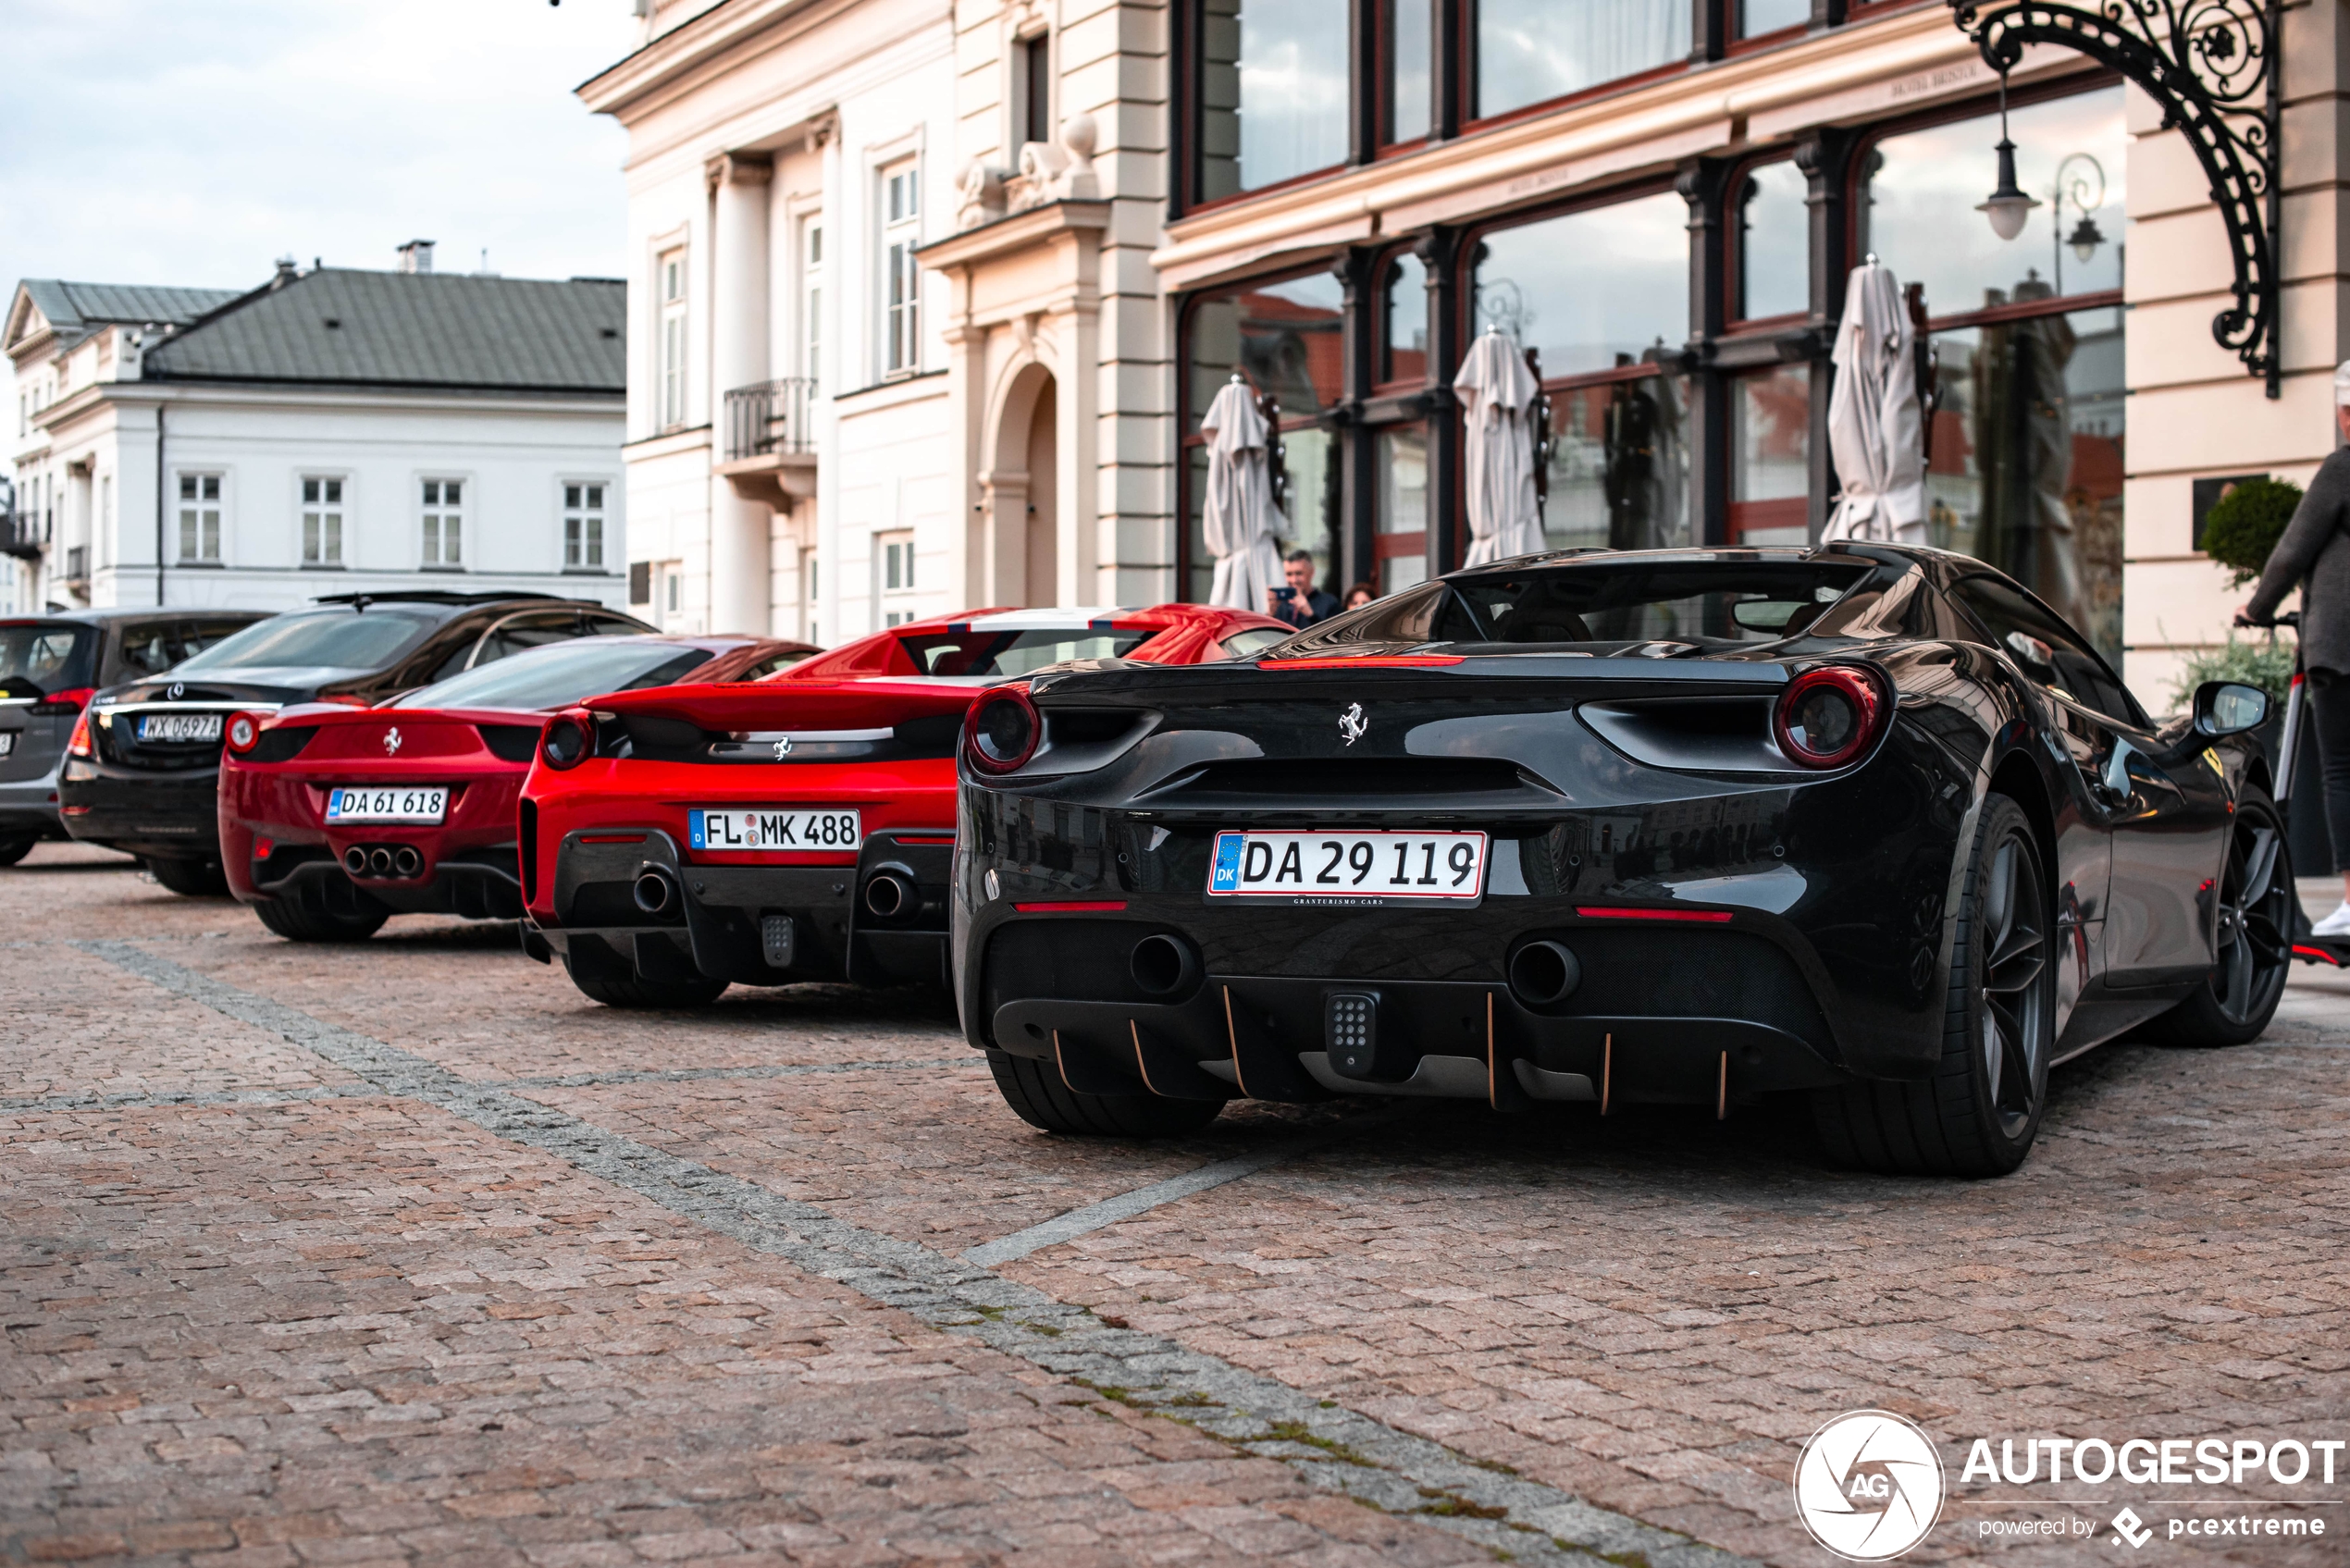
(1351, 725)
(782, 748)
(391, 741)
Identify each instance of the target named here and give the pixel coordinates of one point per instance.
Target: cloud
(156, 142)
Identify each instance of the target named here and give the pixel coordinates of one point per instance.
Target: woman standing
(2314, 555)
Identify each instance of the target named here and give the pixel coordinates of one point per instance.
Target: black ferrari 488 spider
(1867, 824)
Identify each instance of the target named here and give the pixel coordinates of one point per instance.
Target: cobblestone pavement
(407, 1253)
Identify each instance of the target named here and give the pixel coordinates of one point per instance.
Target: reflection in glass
(1408, 38)
(1311, 456)
(1531, 51)
(1775, 243)
(1918, 215)
(1401, 519)
(2024, 464)
(1592, 288)
(1756, 18)
(1273, 91)
(1770, 456)
(1404, 309)
(1619, 465)
(1284, 337)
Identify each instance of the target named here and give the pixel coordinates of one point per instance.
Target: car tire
(15, 849)
(1979, 1113)
(1037, 1094)
(637, 990)
(191, 879)
(2257, 904)
(297, 923)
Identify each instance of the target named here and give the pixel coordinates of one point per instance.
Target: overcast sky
(165, 142)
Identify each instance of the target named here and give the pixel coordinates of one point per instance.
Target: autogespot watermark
(1870, 1486)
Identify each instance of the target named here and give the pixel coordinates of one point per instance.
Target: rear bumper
(30, 806)
(717, 924)
(1696, 1015)
(171, 816)
(468, 866)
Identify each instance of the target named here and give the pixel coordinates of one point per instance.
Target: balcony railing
(21, 535)
(769, 417)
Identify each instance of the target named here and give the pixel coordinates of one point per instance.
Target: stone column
(739, 527)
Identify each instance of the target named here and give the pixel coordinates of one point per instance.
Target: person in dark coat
(2314, 556)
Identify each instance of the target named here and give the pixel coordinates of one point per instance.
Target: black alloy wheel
(190, 879)
(1978, 1114)
(635, 991)
(2252, 937)
(302, 922)
(15, 849)
(1036, 1092)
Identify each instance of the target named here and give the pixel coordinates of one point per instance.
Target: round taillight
(1001, 733)
(243, 730)
(1827, 717)
(568, 741)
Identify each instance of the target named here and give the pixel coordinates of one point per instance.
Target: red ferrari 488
(676, 842)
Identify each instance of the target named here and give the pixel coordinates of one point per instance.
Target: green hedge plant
(2243, 525)
(2266, 663)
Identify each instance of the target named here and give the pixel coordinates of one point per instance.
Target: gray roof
(72, 309)
(347, 328)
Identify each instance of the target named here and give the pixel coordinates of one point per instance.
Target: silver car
(49, 666)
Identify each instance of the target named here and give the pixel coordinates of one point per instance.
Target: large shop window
(1284, 337)
(1770, 228)
(1531, 51)
(1273, 91)
(2026, 441)
(1601, 294)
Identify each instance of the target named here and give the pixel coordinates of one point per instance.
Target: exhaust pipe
(1544, 972)
(656, 891)
(379, 861)
(354, 860)
(406, 860)
(888, 895)
(1163, 965)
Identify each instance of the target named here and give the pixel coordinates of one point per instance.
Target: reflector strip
(612, 838)
(1704, 917)
(1383, 662)
(947, 840)
(1071, 908)
(2298, 951)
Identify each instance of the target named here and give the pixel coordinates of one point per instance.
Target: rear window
(1014, 653)
(549, 677)
(39, 657)
(340, 639)
(1707, 603)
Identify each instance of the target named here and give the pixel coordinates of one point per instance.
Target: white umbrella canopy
(1238, 515)
(1874, 426)
(1496, 391)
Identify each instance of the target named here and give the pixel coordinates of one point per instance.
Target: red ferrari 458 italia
(335, 818)
(676, 842)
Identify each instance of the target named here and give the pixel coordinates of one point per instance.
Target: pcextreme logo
(1869, 1485)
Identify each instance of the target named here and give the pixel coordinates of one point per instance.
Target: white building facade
(845, 411)
(332, 432)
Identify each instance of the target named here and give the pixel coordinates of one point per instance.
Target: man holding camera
(1300, 603)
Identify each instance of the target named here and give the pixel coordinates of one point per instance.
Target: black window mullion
(1710, 24)
(1183, 179)
(1366, 56)
(1452, 64)
(1703, 183)
(1825, 158)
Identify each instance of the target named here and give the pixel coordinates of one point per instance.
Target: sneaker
(2335, 924)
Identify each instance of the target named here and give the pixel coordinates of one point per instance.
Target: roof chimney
(286, 273)
(416, 257)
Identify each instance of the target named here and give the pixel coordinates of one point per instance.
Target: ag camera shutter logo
(1869, 1485)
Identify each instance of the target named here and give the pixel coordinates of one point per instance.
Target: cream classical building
(927, 299)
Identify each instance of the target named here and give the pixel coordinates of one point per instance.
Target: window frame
(900, 235)
(599, 514)
(811, 256)
(893, 602)
(1034, 54)
(337, 509)
(435, 511)
(672, 338)
(218, 504)
(1734, 323)
(1191, 175)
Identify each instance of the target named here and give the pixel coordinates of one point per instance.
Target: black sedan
(141, 768)
(1864, 824)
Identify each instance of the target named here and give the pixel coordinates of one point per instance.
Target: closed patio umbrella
(1238, 514)
(1874, 426)
(1496, 391)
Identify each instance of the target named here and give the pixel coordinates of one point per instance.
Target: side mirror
(2228, 708)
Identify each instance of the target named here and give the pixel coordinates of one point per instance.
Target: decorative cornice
(1017, 232)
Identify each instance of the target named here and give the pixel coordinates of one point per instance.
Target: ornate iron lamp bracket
(2210, 65)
